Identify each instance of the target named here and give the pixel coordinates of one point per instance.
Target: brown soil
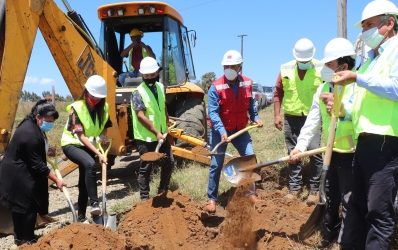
(176, 222)
(80, 236)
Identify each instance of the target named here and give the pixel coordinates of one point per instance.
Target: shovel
(154, 156)
(240, 170)
(205, 150)
(308, 228)
(108, 221)
(54, 166)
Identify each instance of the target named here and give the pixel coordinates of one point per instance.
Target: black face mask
(150, 81)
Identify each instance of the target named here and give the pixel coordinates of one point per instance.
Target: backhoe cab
(163, 30)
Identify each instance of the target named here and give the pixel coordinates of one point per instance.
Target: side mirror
(193, 37)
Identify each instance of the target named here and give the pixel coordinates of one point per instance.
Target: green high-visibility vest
(155, 111)
(297, 93)
(373, 113)
(344, 137)
(144, 54)
(91, 129)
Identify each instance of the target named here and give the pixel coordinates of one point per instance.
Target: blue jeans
(242, 143)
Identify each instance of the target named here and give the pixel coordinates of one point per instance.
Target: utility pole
(342, 18)
(241, 47)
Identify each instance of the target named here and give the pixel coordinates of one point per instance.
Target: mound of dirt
(173, 222)
(80, 236)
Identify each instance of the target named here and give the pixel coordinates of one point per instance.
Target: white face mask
(230, 74)
(304, 66)
(327, 74)
(372, 37)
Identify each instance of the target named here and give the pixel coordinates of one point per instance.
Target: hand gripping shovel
(204, 150)
(54, 166)
(108, 221)
(239, 170)
(308, 228)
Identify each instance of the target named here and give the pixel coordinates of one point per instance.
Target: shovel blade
(232, 172)
(152, 156)
(110, 222)
(309, 227)
(6, 224)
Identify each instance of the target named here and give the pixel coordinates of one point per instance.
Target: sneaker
(82, 219)
(313, 198)
(291, 195)
(210, 207)
(95, 209)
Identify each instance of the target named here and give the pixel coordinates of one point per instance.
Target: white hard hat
(96, 86)
(148, 65)
(336, 48)
(232, 57)
(376, 8)
(304, 50)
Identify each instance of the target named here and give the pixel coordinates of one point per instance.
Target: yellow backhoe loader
(78, 56)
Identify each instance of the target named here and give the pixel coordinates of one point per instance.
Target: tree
(207, 79)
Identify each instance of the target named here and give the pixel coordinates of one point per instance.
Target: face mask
(93, 101)
(230, 74)
(150, 81)
(327, 74)
(372, 37)
(46, 126)
(304, 66)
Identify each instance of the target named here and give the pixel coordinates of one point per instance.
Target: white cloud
(39, 80)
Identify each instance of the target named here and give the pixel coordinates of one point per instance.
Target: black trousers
(338, 190)
(145, 170)
(371, 207)
(87, 174)
(24, 226)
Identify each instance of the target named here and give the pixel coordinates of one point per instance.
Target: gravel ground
(122, 187)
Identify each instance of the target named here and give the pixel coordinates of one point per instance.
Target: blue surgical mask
(304, 66)
(372, 37)
(46, 126)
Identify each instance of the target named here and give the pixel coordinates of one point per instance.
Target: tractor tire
(193, 113)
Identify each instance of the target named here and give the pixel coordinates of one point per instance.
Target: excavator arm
(73, 51)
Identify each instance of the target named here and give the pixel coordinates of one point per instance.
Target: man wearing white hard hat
(230, 106)
(88, 120)
(297, 82)
(149, 114)
(338, 55)
(374, 116)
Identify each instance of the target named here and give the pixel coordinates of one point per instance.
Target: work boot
(210, 207)
(95, 209)
(292, 194)
(313, 198)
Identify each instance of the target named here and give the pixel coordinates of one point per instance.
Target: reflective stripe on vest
(91, 130)
(234, 109)
(155, 111)
(372, 113)
(144, 54)
(344, 138)
(297, 94)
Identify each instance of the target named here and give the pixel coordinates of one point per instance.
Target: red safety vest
(234, 109)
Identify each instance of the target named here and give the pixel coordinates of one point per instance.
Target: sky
(272, 29)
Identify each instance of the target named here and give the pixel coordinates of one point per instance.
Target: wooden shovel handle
(284, 159)
(233, 136)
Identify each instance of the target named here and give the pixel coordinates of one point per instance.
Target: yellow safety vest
(155, 111)
(297, 93)
(344, 137)
(373, 113)
(91, 130)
